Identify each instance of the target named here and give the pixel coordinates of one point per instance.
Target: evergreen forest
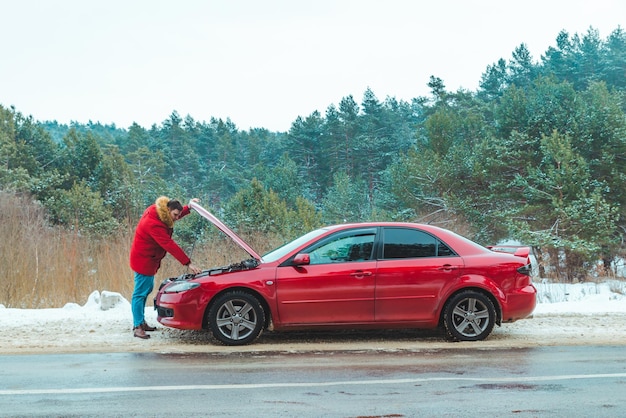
(536, 155)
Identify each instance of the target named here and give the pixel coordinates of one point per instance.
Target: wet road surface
(529, 382)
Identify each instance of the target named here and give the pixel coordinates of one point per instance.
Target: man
(153, 239)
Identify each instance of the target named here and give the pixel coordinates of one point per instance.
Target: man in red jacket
(153, 239)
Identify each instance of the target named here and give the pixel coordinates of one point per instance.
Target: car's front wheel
(469, 316)
(236, 318)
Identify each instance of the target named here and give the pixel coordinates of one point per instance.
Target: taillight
(524, 280)
(525, 270)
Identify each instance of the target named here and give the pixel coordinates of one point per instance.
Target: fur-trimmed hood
(163, 212)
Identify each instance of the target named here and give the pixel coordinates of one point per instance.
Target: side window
(355, 246)
(444, 251)
(411, 243)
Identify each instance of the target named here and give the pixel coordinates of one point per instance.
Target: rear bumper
(519, 304)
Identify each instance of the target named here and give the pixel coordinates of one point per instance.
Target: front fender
(264, 291)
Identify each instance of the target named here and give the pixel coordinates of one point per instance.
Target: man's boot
(147, 327)
(140, 333)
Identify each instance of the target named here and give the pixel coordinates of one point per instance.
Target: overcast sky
(261, 63)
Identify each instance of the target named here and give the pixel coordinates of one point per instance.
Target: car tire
(469, 316)
(236, 318)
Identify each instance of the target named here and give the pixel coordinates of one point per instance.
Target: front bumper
(179, 310)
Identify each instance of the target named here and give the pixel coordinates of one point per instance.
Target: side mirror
(302, 260)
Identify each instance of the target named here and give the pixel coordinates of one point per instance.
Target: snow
(102, 307)
(585, 312)
(606, 297)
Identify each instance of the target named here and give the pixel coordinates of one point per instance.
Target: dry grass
(47, 267)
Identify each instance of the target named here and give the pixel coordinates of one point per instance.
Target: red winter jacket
(153, 239)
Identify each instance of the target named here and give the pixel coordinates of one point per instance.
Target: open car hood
(220, 225)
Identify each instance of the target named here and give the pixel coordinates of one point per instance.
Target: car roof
(457, 242)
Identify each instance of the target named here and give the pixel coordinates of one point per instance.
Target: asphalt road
(522, 382)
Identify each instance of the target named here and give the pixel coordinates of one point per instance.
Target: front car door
(336, 287)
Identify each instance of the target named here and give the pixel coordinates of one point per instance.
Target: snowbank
(108, 306)
(567, 314)
(580, 298)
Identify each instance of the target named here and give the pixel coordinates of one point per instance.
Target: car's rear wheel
(236, 318)
(469, 316)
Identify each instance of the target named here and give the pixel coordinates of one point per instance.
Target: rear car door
(336, 287)
(413, 268)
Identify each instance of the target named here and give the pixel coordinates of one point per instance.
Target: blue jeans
(143, 287)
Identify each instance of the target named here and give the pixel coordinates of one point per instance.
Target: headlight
(181, 287)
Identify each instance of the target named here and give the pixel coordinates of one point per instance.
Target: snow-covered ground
(605, 297)
(566, 314)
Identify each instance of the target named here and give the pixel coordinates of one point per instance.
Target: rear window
(412, 243)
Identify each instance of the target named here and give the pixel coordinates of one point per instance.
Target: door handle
(359, 274)
(447, 267)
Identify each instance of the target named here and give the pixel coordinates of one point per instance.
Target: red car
(361, 275)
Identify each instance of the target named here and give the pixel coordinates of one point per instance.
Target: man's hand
(194, 269)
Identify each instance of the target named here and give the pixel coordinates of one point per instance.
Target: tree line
(536, 154)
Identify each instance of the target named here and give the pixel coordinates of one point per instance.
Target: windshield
(290, 246)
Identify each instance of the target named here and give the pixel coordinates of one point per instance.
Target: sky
(261, 63)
